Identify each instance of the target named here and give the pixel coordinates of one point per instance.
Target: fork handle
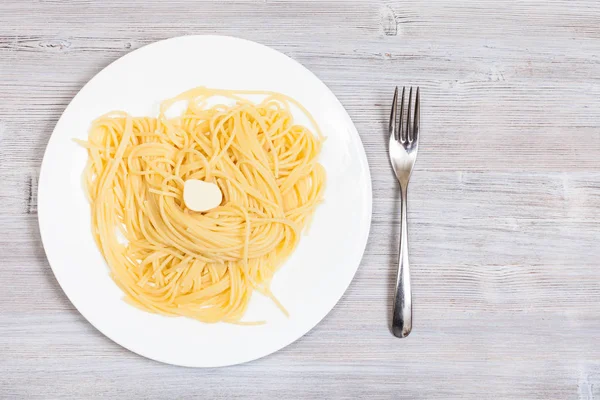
(402, 308)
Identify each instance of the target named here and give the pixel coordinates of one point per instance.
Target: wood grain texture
(503, 208)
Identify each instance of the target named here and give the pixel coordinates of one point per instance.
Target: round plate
(309, 284)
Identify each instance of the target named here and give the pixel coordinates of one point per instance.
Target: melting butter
(201, 196)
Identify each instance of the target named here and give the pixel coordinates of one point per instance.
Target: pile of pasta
(170, 260)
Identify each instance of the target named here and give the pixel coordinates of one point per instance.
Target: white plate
(309, 284)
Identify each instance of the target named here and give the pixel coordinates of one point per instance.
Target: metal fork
(404, 144)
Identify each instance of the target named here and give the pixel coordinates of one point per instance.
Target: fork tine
(409, 136)
(401, 129)
(417, 116)
(393, 127)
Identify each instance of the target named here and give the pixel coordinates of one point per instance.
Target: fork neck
(403, 185)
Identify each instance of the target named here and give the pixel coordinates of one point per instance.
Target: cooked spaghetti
(171, 260)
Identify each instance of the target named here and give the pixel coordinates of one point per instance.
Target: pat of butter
(201, 196)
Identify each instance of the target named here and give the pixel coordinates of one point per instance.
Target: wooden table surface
(504, 204)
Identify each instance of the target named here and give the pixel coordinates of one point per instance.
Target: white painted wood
(504, 205)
